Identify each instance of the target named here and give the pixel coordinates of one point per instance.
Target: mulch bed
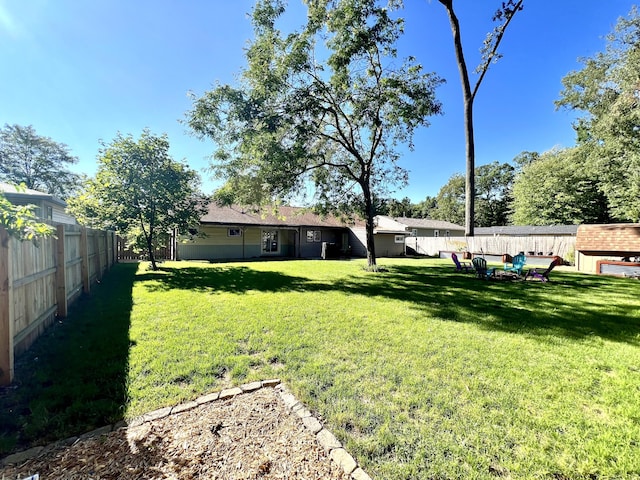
(248, 436)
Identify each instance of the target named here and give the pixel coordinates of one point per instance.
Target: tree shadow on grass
(74, 377)
(222, 279)
(574, 306)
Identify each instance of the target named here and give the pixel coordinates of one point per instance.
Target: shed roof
(518, 230)
(285, 217)
(617, 237)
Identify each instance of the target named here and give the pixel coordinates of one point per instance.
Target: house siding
(387, 247)
(216, 244)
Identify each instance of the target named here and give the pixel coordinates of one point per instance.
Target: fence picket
(38, 282)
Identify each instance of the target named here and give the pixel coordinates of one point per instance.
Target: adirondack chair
(461, 266)
(480, 265)
(517, 264)
(544, 276)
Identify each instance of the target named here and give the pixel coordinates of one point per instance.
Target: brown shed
(608, 248)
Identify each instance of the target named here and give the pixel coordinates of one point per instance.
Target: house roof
(427, 223)
(620, 237)
(285, 217)
(528, 230)
(13, 191)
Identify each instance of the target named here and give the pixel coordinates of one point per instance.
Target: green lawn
(420, 371)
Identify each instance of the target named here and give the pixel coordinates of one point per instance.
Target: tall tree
(450, 201)
(490, 54)
(400, 208)
(557, 189)
(493, 196)
(296, 120)
(608, 134)
(494, 184)
(141, 191)
(38, 162)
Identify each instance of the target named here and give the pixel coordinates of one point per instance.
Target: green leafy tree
(490, 55)
(523, 159)
(141, 191)
(556, 189)
(424, 209)
(450, 201)
(37, 162)
(400, 208)
(323, 107)
(494, 183)
(608, 134)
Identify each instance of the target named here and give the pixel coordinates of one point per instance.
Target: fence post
(84, 266)
(98, 259)
(6, 311)
(61, 277)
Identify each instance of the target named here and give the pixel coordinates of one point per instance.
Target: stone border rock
(324, 437)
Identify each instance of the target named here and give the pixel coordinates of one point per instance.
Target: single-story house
(609, 249)
(48, 207)
(422, 227)
(423, 236)
(235, 232)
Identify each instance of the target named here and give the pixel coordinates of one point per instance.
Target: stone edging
(324, 437)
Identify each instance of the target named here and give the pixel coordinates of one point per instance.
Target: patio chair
(517, 264)
(544, 276)
(482, 271)
(461, 266)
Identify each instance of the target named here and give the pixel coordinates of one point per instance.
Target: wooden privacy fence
(562, 245)
(40, 282)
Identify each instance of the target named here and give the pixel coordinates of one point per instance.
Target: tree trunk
(149, 239)
(369, 214)
(470, 180)
(467, 96)
(152, 257)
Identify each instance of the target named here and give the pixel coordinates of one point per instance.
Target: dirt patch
(249, 436)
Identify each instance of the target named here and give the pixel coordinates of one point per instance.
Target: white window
(234, 232)
(399, 239)
(436, 233)
(447, 233)
(314, 236)
(414, 232)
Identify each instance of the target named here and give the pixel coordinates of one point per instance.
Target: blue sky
(81, 71)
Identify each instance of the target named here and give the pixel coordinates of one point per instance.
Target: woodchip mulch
(248, 436)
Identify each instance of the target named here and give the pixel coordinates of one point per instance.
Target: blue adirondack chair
(482, 271)
(461, 266)
(517, 264)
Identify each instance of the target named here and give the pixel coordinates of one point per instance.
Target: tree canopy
(494, 182)
(39, 163)
(606, 90)
(324, 107)
(556, 189)
(140, 191)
